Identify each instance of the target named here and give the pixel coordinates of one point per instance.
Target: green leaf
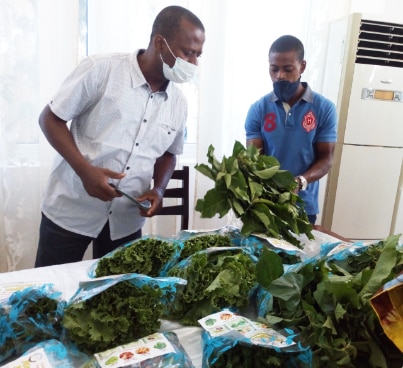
(251, 224)
(263, 213)
(214, 203)
(386, 262)
(267, 173)
(237, 207)
(211, 158)
(339, 312)
(256, 189)
(268, 268)
(238, 148)
(205, 170)
(288, 288)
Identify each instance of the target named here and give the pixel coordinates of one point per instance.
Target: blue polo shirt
(291, 136)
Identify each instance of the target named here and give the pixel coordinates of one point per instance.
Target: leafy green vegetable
(257, 191)
(201, 242)
(328, 302)
(118, 315)
(269, 268)
(30, 316)
(215, 280)
(243, 356)
(146, 256)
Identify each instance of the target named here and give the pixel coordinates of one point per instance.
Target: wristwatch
(303, 183)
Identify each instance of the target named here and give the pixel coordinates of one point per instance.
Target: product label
(137, 351)
(258, 333)
(37, 359)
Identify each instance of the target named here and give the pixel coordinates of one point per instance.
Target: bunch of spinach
(215, 280)
(120, 314)
(146, 256)
(257, 191)
(327, 301)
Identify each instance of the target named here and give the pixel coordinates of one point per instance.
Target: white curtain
(42, 40)
(38, 47)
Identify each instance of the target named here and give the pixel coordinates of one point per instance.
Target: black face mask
(285, 90)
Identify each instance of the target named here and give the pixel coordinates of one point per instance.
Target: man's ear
(303, 66)
(159, 43)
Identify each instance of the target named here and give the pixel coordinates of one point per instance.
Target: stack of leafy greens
(148, 256)
(120, 314)
(327, 301)
(215, 280)
(257, 191)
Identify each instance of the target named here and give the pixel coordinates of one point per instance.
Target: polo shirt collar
(307, 96)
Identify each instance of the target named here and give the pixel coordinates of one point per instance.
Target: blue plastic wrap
(44, 354)
(30, 316)
(215, 347)
(108, 312)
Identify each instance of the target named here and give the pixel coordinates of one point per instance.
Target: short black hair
(168, 21)
(288, 43)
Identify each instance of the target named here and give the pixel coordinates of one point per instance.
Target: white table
(66, 279)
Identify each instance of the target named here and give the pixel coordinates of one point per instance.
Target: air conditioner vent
(380, 43)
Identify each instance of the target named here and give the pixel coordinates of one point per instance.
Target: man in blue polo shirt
(293, 123)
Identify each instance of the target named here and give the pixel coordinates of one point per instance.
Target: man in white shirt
(127, 126)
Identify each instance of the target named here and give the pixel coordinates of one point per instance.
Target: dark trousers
(58, 246)
(312, 219)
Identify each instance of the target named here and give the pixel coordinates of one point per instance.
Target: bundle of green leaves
(146, 256)
(257, 191)
(120, 314)
(328, 302)
(215, 280)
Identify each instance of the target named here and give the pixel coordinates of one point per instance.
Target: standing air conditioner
(363, 197)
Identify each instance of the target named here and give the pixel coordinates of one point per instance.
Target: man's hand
(96, 182)
(155, 197)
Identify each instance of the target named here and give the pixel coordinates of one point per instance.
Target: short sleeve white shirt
(117, 123)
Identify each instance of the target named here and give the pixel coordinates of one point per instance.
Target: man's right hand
(96, 182)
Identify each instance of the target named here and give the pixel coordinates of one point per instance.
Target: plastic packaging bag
(111, 311)
(231, 340)
(217, 278)
(47, 354)
(30, 316)
(388, 306)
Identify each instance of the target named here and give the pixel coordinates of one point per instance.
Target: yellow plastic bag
(388, 305)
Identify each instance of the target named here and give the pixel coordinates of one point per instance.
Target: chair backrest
(182, 193)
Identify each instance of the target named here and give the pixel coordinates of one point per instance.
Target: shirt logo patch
(309, 122)
(270, 122)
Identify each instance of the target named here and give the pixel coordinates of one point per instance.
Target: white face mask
(181, 72)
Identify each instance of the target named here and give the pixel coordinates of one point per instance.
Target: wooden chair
(182, 193)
